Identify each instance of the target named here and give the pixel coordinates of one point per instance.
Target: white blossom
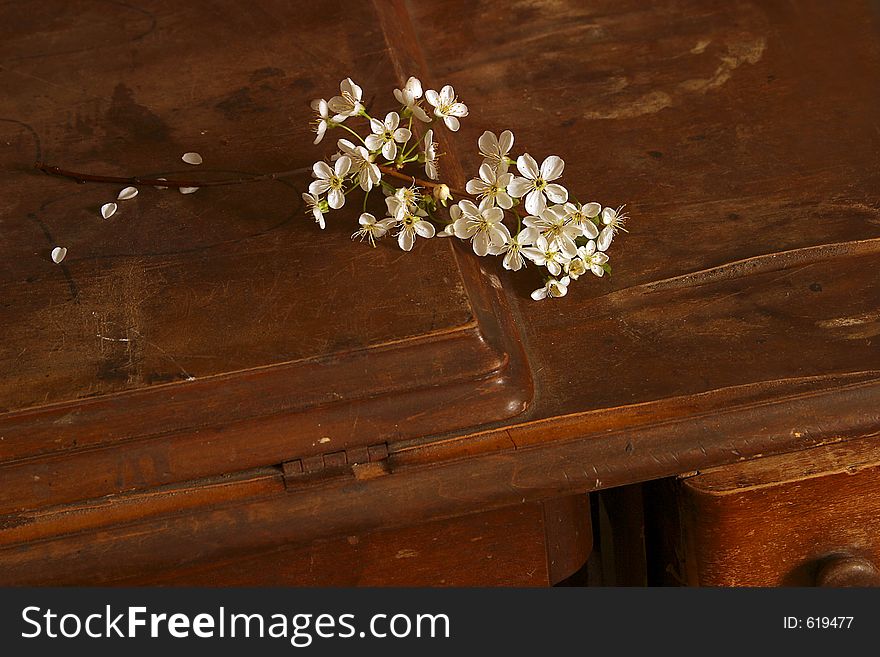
(349, 102)
(512, 249)
(368, 173)
(397, 206)
(331, 181)
(546, 255)
(371, 229)
(409, 97)
(555, 225)
(315, 208)
(576, 268)
(431, 169)
(442, 194)
(455, 214)
(535, 183)
(410, 218)
(483, 225)
(323, 120)
(447, 107)
(386, 135)
(553, 288)
(409, 195)
(614, 221)
(495, 149)
(593, 258)
(411, 222)
(583, 215)
(491, 185)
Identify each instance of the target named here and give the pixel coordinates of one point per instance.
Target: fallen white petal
(188, 190)
(158, 187)
(108, 210)
(127, 193)
(58, 254)
(192, 158)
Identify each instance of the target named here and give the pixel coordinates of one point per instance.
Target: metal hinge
(360, 462)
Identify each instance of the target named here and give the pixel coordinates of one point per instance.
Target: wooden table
(210, 390)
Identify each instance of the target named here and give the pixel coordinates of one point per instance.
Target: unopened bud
(442, 194)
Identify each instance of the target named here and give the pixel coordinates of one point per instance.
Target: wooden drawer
(535, 544)
(811, 517)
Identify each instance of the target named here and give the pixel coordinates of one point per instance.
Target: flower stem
(402, 152)
(411, 149)
(341, 125)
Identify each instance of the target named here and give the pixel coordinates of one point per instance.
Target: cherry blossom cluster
(554, 231)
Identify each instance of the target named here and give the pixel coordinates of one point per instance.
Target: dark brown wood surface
(741, 319)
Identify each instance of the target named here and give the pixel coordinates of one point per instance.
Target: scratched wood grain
(741, 319)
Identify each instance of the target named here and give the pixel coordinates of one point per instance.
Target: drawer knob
(847, 570)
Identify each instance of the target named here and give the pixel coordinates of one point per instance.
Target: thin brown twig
(418, 181)
(390, 171)
(82, 178)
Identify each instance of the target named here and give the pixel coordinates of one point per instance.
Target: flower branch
(565, 238)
